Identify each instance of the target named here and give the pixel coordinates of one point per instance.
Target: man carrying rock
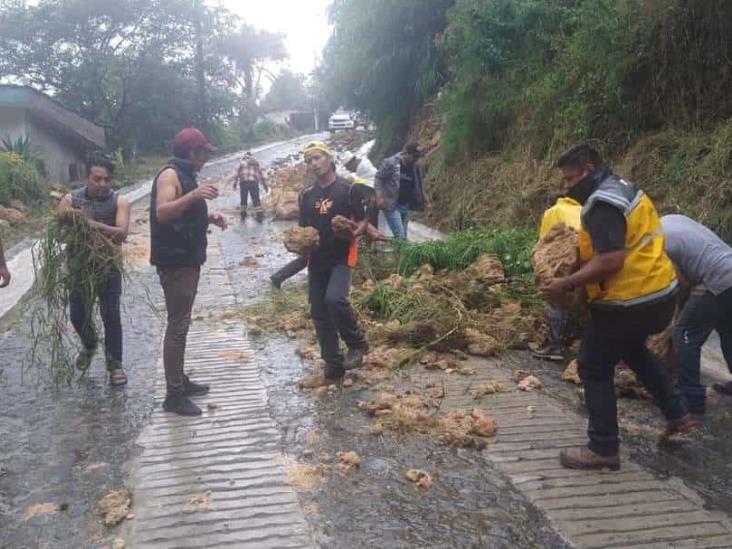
(179, 220)
(108, 213)
(248, 178)
(330, 266)
(705, 261)
(566, 210)
(631, 287)
(398, 187)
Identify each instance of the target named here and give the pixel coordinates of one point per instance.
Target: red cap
(191, 138)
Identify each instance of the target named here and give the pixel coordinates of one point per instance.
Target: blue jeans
(702, 314)
(398, 221)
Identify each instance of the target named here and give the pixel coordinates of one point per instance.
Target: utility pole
(200, 71)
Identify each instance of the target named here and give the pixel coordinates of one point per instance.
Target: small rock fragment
(118, 543)
(114, 507)
(419, 477)
(571, 373)
(489, 388)
(347, 461)
(530, 383)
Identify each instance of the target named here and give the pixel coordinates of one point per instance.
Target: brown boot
(582, 457)
(680, 426)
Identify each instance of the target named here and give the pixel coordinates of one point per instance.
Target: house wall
(12, 123)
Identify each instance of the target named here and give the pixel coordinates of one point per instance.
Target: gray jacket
(387, 181)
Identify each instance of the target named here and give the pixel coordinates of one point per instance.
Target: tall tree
(288, 91)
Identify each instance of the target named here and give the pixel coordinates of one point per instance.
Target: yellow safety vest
(648, 273)
(565, 210)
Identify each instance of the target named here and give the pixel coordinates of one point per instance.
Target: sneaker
(334, 372)
(84, 358)
(354, 358)
(194, 389)
(548, 352)
(679, 426)
(276, 282)
(180, 404)
(723, 388)
(583, 458)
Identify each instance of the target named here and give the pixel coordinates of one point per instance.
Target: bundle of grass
(72, 256)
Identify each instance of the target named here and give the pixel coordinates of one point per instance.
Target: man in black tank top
(179, 220)
(109, 213)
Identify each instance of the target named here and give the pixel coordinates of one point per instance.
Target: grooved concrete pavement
(631, 508)
(217, 480)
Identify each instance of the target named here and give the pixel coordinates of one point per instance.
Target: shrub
(19, 179)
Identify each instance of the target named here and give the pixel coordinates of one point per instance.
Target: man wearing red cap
(179, 220)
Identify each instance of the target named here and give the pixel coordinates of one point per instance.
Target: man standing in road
(248, 178)
(705, 261)
(331, 266)
(179, 220)
(108, 213)
(398, 186)
(631, 287)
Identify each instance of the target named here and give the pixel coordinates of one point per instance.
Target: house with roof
(61, 137)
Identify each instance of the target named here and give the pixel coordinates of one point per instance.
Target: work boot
(723, 388)
(276, 282)
(192, 389)
(84, 358)
(551, 352)
(354, 358)
(259, 216)
(179, 403)
(679, 426)
(243, 214)
(333, 371)
(583, 458)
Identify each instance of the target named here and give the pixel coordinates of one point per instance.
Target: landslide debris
(302, 240)
(114, 507)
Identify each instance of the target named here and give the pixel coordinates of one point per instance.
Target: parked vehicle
(341, 121)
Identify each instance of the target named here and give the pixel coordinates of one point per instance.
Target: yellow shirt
(566, 210)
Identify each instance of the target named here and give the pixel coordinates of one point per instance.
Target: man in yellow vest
(566, 210)
(631, 286)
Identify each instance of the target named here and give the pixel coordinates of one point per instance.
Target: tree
(288, 91)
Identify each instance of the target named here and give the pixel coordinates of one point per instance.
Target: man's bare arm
(171, 204)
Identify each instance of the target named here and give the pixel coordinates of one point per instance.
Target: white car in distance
(341, 121)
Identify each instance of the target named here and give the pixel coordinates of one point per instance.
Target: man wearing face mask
(179, 220)
(108, 213)
(330, 267)
(631, 286)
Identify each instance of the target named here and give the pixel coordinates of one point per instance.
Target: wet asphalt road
(69, 445)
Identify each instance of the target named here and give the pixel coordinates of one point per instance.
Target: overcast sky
(303, 22)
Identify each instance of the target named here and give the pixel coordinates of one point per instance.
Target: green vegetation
(19, 180)
(461, 249)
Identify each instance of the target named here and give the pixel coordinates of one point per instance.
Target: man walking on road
(248, 178)
(705, 261)
(330, 267)
(108, 213)
(631, 287)
(179, 220)
(398, 186)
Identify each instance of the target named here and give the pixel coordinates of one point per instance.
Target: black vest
(103, 210)
(182, 242)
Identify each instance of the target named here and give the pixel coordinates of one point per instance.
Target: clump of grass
(71, 257)
(461, 249)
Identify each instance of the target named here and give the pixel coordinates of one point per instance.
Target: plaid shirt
(249, 170)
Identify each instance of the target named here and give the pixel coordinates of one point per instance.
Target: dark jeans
(702, 314)
(291, 269)
(247, 188)
(180, 285)
(81, 314)
(557, 324)
(328, 290)
(612, 336)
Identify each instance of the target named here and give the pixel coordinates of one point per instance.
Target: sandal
(117, 377)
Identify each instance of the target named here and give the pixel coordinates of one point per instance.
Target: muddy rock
(422, 479)
(488, 388)
(627, 384)
(571, 374)
(483, 424)
(530, 383)
(519, 375)
(11, 215)
(114, 507)
(343, 227)
(480, 344)
(302, 240)
(348, 461)
(314, 380)
(118, 543)
(556, 256)
(488, 268)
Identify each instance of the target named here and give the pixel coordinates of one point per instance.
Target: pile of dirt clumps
(285, 187)
(349, 140)
(488, 268)
(302, 240)
(488, 388)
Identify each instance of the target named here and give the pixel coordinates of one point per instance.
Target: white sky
(303, 22)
